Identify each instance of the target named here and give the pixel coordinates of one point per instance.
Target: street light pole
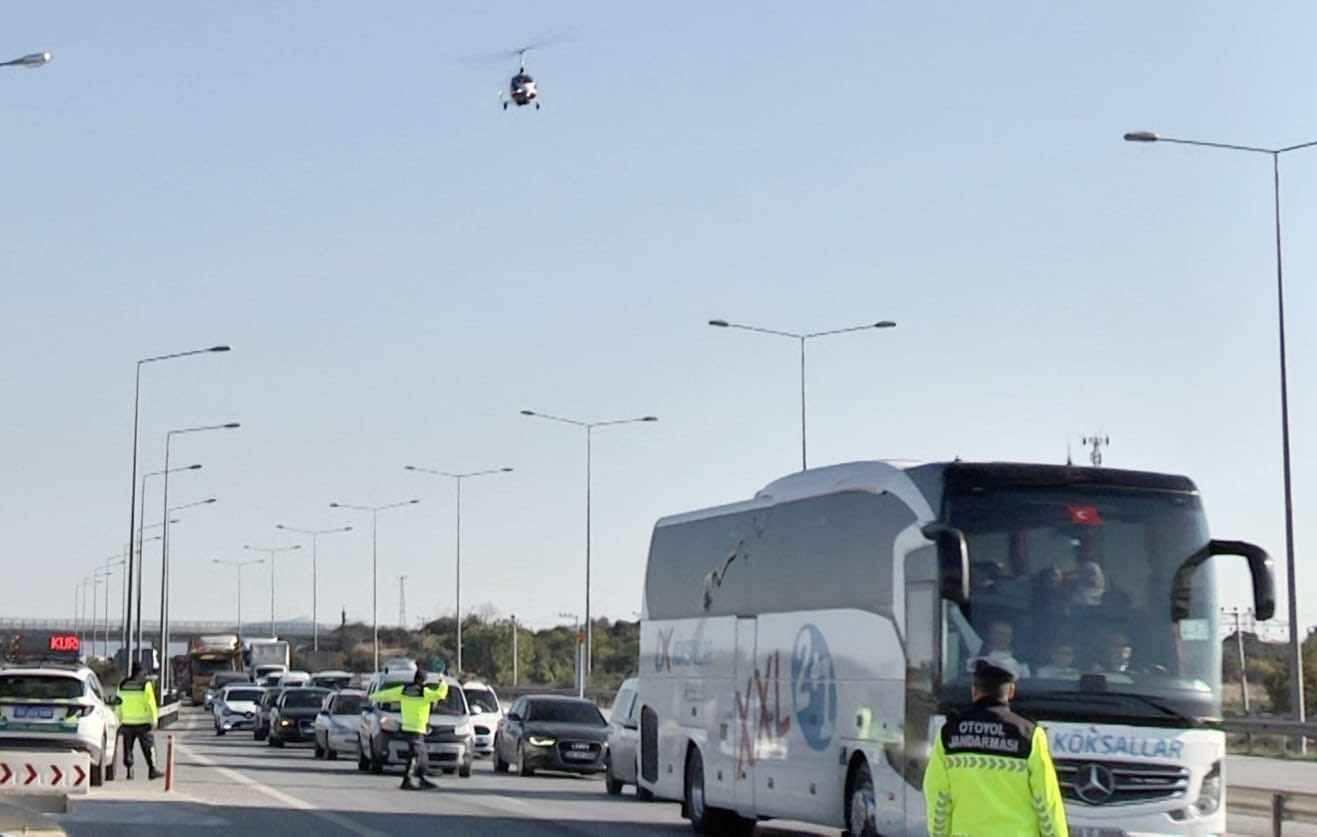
(374, 562)
(270, 552)
(141, 530)
(164, 545)
(589, 427)
(238, 565)
(1296, 640)
(132, 482)
(802, 339)
(457, 480)
(315, 582)
(166, 671)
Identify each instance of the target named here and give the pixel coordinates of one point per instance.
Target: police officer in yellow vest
(138, 714)
(415, 698)
(991, 771)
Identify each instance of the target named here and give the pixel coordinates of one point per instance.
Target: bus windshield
(1071, 588)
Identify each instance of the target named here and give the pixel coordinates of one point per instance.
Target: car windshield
(349, 705)
(565, 712)
(210, 666)
(1071, 586)
(334, 682)
(40, 687)
(243, 694)
(304, 698)
(481, 700)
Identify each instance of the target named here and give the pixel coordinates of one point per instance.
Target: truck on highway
(209, 655)
(801, 649)
(266, 656)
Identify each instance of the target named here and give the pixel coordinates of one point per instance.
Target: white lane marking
(285, 799)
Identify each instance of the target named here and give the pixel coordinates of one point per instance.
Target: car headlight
(540, 741)
(462, 730)
(284, 722)
(1209, 798)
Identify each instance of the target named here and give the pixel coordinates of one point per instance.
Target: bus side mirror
(1259, 567)
(952, 562)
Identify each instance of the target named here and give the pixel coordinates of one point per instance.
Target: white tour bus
(800, 650)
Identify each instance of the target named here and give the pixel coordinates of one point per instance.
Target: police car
(49, 701)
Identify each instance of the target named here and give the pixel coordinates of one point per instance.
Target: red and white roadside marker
(31, 771)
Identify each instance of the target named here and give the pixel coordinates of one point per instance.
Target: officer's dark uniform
(991, 773)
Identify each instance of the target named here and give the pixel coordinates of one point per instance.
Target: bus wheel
(706, 820)
(861, 804)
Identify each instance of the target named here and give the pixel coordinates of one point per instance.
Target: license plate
(43, 712)
(572, 754)
(1093, 831)
(581, 747)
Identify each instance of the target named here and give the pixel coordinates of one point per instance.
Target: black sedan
(293, 717)
(551, 733)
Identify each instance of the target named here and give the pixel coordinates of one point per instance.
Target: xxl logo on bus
(813, 699)
(771, 724)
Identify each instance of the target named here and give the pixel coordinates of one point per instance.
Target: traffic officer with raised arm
(991, 771)
(138, 716)
(415, 699)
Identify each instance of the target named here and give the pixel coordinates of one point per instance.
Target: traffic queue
(404, 717)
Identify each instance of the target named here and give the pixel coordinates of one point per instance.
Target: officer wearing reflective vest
(415, 699)
(138, 715)
(991, 771)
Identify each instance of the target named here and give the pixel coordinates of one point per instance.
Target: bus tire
(703, 818)
(861, 803)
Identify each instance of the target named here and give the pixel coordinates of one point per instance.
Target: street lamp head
(413, 502)
(208, 500)
(649, 418)
(506, 470)
(218, 349)
(528, 412)
(334, 505)
(280, 526)
(409, 467)
(885, 324)
(33, 60)
(346, 529)
(718, 323)
(196, 467)
(1141, 136)
(232, 425)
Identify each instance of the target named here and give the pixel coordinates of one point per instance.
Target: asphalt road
(234, 785)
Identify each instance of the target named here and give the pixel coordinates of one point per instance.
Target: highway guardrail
(1279, 806)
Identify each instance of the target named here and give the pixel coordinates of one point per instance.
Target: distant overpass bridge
(178, 631)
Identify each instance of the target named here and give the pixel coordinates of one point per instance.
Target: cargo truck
(210, 655)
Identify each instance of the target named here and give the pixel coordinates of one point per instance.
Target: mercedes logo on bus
(1094, 784)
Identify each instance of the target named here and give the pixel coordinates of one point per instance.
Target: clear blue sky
(401, 266)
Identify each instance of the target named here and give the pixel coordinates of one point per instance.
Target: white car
(57, 707)
(486, 712)
(294, 680)
(336, 725)
(449, 741)
(236, 707)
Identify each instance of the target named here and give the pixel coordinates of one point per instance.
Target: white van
(800, 650)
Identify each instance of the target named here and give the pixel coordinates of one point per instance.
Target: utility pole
(402, 600)
(1095, 444)
(514, 650)
(1243, 664)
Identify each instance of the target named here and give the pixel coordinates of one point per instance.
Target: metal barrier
(1270, 726)
(1280, 806)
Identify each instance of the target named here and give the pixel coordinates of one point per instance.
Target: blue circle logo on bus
(814, 688)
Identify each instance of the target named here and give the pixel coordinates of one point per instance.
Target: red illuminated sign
(1084, 515)
(64, 642)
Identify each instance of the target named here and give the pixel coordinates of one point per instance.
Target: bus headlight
(1209, 798)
